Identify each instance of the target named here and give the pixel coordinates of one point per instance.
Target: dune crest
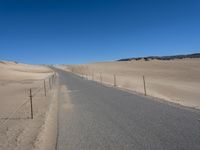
(12, 71)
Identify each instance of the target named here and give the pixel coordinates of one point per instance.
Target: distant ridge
(194, 55)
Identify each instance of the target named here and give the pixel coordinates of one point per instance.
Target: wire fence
(113, 80)
(168, 87)
(32, 93)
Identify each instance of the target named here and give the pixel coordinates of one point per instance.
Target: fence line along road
(31, 96)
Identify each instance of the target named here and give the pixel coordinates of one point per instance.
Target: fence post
(82, 76)
(115, 84)
(50, 83)
(52, 80)
(31, 103)
(92, 76)
(54, 77)
(45, 92)
(145, 92)
(100, 77)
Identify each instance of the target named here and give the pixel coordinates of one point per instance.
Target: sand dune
(20, 132)
(173, 80)
(17, 72)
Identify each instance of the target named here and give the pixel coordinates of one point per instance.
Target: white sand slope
(173, 80)
(19, 132)
(10, 71)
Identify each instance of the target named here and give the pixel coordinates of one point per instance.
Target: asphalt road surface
(106, 118)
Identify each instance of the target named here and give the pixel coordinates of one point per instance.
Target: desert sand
(177, 81)
(17, 130)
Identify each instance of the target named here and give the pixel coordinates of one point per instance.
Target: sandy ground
(173, 80)
(17, 130)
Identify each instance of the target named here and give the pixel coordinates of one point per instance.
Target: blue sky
(83, 31)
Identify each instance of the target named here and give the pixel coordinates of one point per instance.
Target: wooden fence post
(31, 103)
(45, 92)
(92, 76)
(100, 77)
(144, 82)
(52, 80)
(115, 83)
(50, 83)
(82, 76)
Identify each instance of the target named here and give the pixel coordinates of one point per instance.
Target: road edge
(47, 138)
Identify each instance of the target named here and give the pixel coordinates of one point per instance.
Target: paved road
(104, 118)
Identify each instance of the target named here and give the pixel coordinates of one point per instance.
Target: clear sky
(83, 31)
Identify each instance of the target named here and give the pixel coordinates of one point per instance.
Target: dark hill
(195, 55)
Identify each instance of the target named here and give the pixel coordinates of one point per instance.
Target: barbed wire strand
(11, 114)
